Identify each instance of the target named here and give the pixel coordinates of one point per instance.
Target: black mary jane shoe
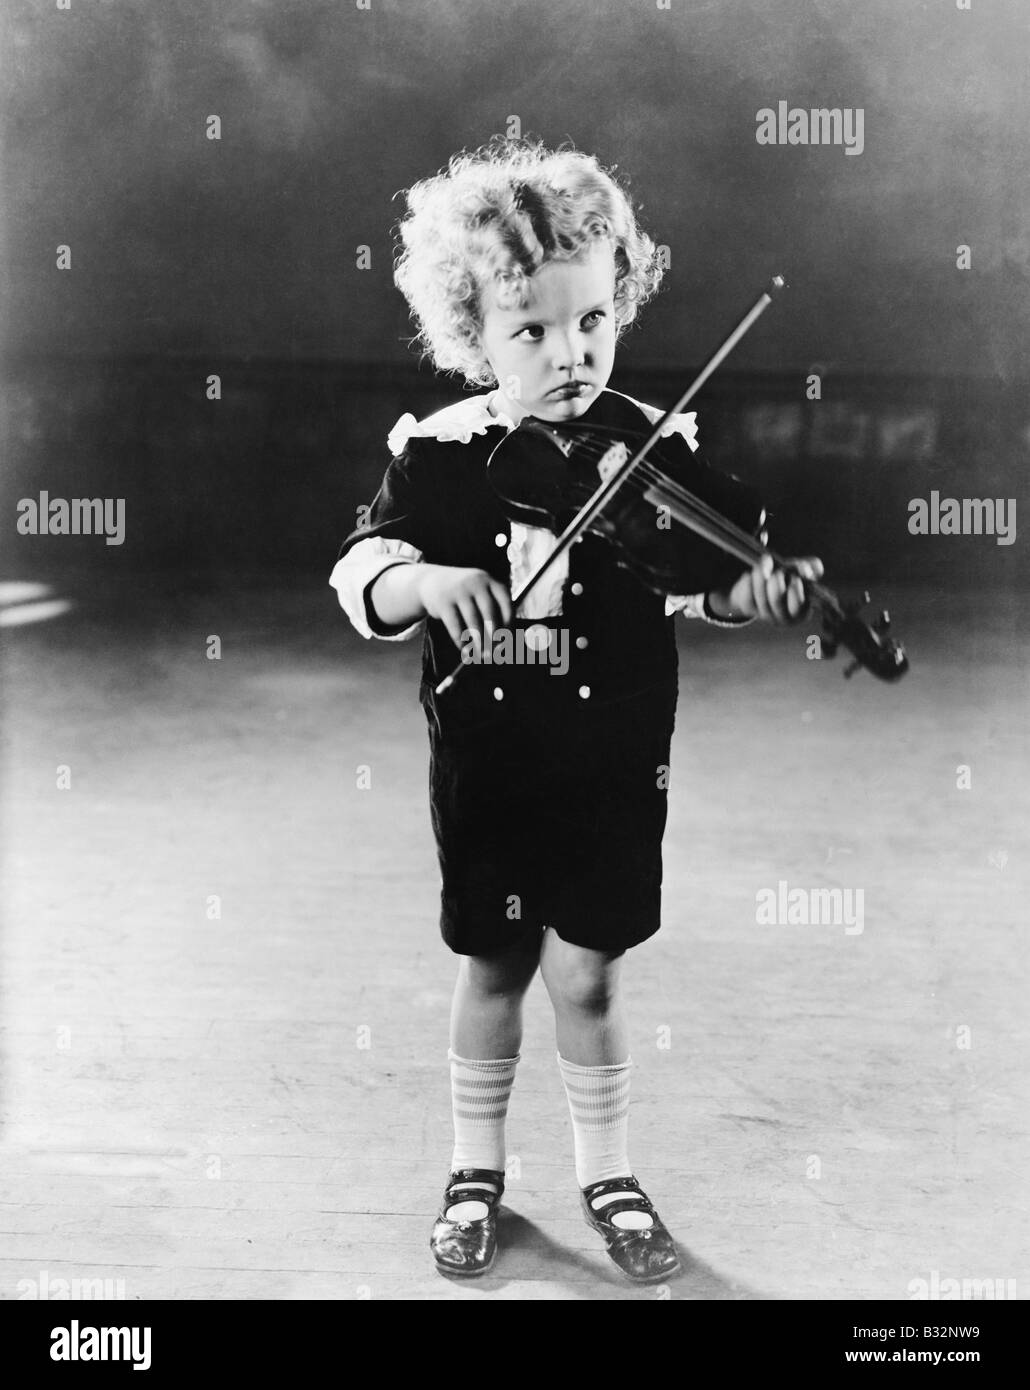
(647, 1256)
(467, 1248)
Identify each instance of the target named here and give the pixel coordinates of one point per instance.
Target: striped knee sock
(599, 1105)
(479, 1103)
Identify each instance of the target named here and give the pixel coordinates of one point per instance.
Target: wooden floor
(188, 1105)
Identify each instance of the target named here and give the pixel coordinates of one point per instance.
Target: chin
(556, 409)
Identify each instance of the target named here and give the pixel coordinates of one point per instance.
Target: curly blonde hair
(495, 215)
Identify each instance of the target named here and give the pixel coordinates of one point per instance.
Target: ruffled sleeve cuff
(354, 575)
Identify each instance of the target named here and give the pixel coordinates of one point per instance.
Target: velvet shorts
(554, 819)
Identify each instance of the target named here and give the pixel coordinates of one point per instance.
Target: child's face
(565, 333)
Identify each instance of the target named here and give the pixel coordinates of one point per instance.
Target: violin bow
(607, 489)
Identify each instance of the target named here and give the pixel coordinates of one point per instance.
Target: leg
(593, 1056)
(486, 1014)
(584, 990)
(486, 1033)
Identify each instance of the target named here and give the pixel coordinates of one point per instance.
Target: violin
(677, 524)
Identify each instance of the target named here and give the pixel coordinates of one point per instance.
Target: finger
(455, 629)
(491, 602)
(786, 614)
(797, 599)
(776, 593)
(470, 617)
(502, 597)
(489, 613)
(808, 566)
(759, 578)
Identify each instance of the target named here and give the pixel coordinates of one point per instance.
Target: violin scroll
(869, 643)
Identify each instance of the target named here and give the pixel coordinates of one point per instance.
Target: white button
(584, 692)
(538, 637)
(498, 693)
(577, 589)
(581, 642)
(500, 538)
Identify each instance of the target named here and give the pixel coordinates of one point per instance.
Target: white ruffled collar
(457, 422)
(460, 421)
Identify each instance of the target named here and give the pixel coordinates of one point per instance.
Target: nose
(569, 350)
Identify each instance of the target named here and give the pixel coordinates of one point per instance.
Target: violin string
(706, 521)
(692, 503)
(743, 544)
(746, 547)
(645, 474)
(644, 470)
(712, 528)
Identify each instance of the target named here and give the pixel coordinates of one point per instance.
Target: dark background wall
(238, 257)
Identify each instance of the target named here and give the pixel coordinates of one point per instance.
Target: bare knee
(584, 992)
(583, 981)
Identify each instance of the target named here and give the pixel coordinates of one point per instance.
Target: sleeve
(354, 575)
(696, 606)
(396, 531)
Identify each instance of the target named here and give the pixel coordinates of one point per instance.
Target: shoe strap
(632, 1200)
(463, 1177)
(626, 1203)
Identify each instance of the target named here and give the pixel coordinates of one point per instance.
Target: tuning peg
(882, 623)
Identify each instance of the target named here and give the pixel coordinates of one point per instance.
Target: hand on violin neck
(775, 593)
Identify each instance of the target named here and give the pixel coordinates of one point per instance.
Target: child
(522, 267)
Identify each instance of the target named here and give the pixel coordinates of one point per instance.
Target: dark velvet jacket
(436, 495)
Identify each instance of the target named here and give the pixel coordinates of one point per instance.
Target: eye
(592, 319)
(532, 333)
